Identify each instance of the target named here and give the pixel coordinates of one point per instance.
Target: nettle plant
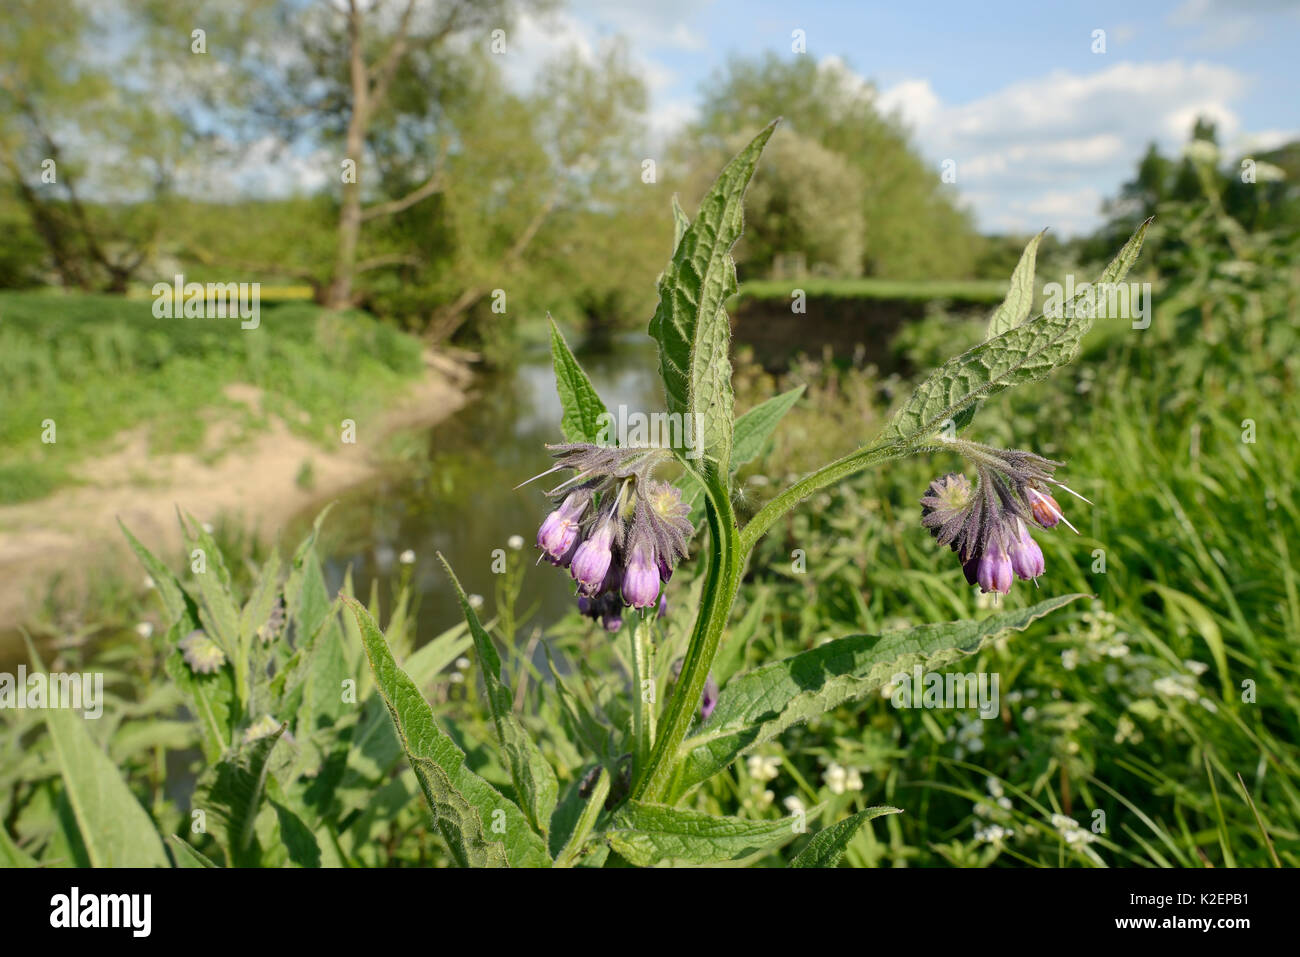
(618, 529)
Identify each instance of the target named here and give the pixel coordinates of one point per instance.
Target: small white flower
(1197, 668)
(835, 776)
(476, 601)
(993, 834)
(854, 781)
(793, 804)
(515, 541)
(763, 768)
(149, 582)
(457, 677)
(462, 663)
(207, 527)
(144, 629)
(407, 557)
(1070, 659)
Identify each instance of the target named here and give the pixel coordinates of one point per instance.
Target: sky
(1041, 127)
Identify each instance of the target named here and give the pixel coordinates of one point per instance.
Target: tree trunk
(340, 295)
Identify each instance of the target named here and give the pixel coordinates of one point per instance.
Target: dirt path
(55, 546)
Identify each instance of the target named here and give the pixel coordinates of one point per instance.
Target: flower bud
(1046, 511)
(559, 533)
(1026, 557)
(591, 559)
(641, 581)
(994, 570)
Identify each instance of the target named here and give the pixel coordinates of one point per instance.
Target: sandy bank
(55, 546)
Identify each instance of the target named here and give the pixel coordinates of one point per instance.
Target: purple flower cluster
(988, 525)
(617, 530)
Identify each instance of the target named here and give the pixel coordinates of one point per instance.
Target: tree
(911, 225)
(91, 158)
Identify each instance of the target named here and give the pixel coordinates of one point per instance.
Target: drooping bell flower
(986, 524)
(592, 558)
(561, 531)
(994, 569)
(641, 580)
(628, 542)
(1026, 557)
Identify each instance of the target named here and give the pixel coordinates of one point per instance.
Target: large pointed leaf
(583, 408)
(231, 795)
(115, 829)
(533, 778)
(1024, 353)
(828, 845)
(1020, 296)
(463, 804)
(756, 706)
(650, 835)
(690, 323)
(756, 426)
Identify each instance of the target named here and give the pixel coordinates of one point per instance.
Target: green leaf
(582, 405)
(1020, 296)
(758, 705)
(114, 827)
(173, 596)
(681, 223)
(828, 845)
(756, 426)
(231, 795)
(211, 696)
(590, 808)
(187, 856)
(690, 323)
(219, 613)
(11, 855)
(650, 835)
(461, 801)
(533, 778)
(1024, 353)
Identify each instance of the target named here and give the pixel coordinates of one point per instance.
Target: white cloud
(1045, 151)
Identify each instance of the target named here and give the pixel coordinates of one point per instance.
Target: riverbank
(53, 549)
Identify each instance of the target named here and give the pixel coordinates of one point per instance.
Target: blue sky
(1041, 127)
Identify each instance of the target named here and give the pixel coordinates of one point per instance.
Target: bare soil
(52, 548)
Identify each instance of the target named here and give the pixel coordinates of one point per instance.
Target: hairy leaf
(756, 426)
(649, 835)
(231, 794)
(463, 804)
(533, 778)
(690, 323)
(115, 829)
(828, 845)
(1020, 297)
(1024, 353)
(581, 404)
(756, 706)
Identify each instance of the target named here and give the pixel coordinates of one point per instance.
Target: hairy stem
(723, 577)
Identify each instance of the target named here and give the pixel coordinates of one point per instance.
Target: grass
(1163, 717)
(97, 366)
(975, 291)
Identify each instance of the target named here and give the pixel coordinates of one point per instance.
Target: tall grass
(100, 365)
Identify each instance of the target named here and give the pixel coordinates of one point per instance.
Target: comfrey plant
(621, 519)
